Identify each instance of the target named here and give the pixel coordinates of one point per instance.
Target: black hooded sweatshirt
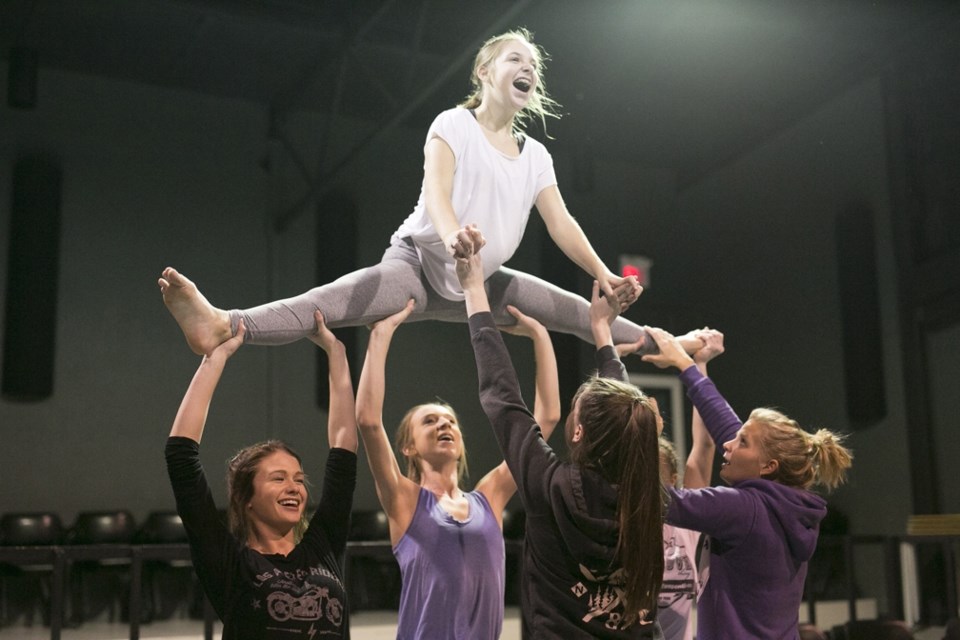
(572, 582)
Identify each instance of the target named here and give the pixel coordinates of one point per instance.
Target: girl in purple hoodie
(762, 528)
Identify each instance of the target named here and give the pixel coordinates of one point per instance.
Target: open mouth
(294, 504)
(522, 84)
(445, 438)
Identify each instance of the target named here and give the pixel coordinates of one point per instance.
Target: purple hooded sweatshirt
(761, 537)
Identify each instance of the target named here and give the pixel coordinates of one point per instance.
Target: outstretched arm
(214, 548)
(529, 458)
(340, 478)
(571, 239)
(499, 486)
(342, 414)
(192, 415)
(604, 310)
(699, 467)
(719, 417)
(470, 274)
(546, 404)
(398, 495)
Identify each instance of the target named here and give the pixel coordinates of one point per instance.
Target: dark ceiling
(684, 85)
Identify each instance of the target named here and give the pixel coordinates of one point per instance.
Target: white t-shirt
(680, 582)
(490, 189)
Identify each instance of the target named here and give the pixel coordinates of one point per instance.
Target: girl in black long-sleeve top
(268, 573)
(593, 552)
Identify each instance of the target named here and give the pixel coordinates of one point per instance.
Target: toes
(174, 277)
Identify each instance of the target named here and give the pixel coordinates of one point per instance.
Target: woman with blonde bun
(763, 527)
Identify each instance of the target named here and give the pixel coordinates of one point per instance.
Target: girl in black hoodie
(593, 554)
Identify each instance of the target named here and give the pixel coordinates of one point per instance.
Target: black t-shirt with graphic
(268, 596)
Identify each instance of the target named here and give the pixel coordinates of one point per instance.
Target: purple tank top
(453, 572)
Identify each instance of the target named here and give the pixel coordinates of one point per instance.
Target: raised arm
(192, 414)
(699, 467)
(498, 485)
(529, 458)
(341, 416)
(340, 477)
(719, 418)
(470, 274)
(546, 404)
(213, 547)
(398, 494)
(604, 309)
(567, 234)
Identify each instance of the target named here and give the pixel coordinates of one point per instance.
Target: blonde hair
(540, 105)
(669, 453)
(404, 438)
(804, 459)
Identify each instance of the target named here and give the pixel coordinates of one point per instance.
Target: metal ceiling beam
(325, 181)
(415, 47)
(285, 99)
(333, 112)
(332, 116)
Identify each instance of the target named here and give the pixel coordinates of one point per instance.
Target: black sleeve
(214, 550)
(609, 364)
(529, 458)
(332, 517)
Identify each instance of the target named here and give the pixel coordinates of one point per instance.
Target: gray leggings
(373, 293)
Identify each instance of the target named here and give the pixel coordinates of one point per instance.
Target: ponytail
(621, 443)
(641, 502)
(830, 458)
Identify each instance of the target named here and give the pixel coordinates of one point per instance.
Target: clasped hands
(463, 243)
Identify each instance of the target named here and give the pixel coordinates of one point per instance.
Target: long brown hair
(241, 470)
(404, 438)
(620, 441)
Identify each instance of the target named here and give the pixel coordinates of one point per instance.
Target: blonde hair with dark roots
(241, 470)
(404, 438)
(804, 459)
(540, 106)
(619, 441)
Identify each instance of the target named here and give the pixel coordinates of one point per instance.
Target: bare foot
(204, 326)
(691, 342)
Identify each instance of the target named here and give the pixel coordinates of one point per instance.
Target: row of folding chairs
(105, 564)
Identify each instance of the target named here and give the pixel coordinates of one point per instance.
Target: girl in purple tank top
(448, 542)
